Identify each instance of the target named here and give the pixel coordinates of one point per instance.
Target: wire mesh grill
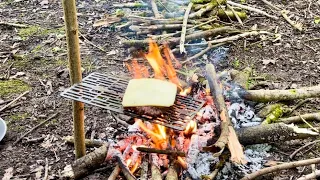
(106, 92)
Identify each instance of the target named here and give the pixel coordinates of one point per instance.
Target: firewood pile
(225, 123)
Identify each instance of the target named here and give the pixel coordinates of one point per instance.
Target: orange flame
(185, 92)
(182, 162)
(158, 135)
(162, 67)
(191, 127)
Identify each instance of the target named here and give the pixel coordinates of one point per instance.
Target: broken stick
(280, 95)
(16, 99)
(297, 119)
(34, 128)
(281, 167)
(160, 151)
(226, 136)
(184, 28)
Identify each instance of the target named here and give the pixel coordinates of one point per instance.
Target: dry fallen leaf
(8, 174)
(266, 62)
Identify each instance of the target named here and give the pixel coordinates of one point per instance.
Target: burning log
(86, 164)
(269, 133)
(160, 151)
(280, 95)
(125, 170)
(226, 124)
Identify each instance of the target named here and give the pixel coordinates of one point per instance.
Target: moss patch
(24, 33)
(12, 86)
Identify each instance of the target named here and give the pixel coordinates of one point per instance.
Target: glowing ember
(182, 162)
(191, 127)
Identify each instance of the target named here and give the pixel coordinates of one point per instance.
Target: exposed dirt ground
(40, 53)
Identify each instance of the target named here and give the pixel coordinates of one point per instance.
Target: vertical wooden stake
(71, 24)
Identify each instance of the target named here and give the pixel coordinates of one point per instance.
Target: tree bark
(277, 132)
(297, 119)
(280, 95)
(71, 24)
(86, 164)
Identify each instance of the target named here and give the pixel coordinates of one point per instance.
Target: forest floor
(35, 59)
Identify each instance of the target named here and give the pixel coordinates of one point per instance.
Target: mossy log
(280, 95)
(277, 132)
(86, 164)
(297, 119)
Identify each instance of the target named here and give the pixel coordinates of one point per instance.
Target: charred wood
(125, 170)
(88, 142)
(160, 151)
(155, 172)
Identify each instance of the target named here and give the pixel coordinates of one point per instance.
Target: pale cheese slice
(149, 92)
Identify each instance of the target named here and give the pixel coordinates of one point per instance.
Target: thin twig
(184, 28)
(297, 106)
(235, 14)
(34, 128)
(281, 167)
(46, 170)
(252, 9)
(313, 175)
(115, 173)
(316, 130)
(96, 46)
(271, 5)
(14, 25)
(296, 25)
(16, 99)
(155, 9)
(210, 46)
(93, 132)
(302, 147)
(125, 124)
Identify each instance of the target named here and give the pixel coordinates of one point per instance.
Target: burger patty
(149, 110)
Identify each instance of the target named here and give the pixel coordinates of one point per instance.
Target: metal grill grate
(107, 91)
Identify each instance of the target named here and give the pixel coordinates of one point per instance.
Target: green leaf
(317, 19)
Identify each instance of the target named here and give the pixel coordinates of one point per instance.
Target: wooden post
(71, 24)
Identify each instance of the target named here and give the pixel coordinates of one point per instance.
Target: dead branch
(233, 142)
(130, 5)
(296, 25)
(84, 165)
(88, 142)
(184, 28)
(155, 9)
(281, 167)
(277, 132)
(13, 25)
(152, 20)
(124, 123)
(235, 14)
(46, 170)
(151, 28)
(297, 119)
(252, 9)
(238, 36)
(160, 151)
(34, 128)
(13, 101)
(206, 8)
(125, 170)
(302, 147)
(201, 53)
(175, 41)
(280, 95)
(313, 175)
(115, 173)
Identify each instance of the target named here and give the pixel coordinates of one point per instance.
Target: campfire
(164, 148)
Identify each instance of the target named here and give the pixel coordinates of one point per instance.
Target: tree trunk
(71, 24)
